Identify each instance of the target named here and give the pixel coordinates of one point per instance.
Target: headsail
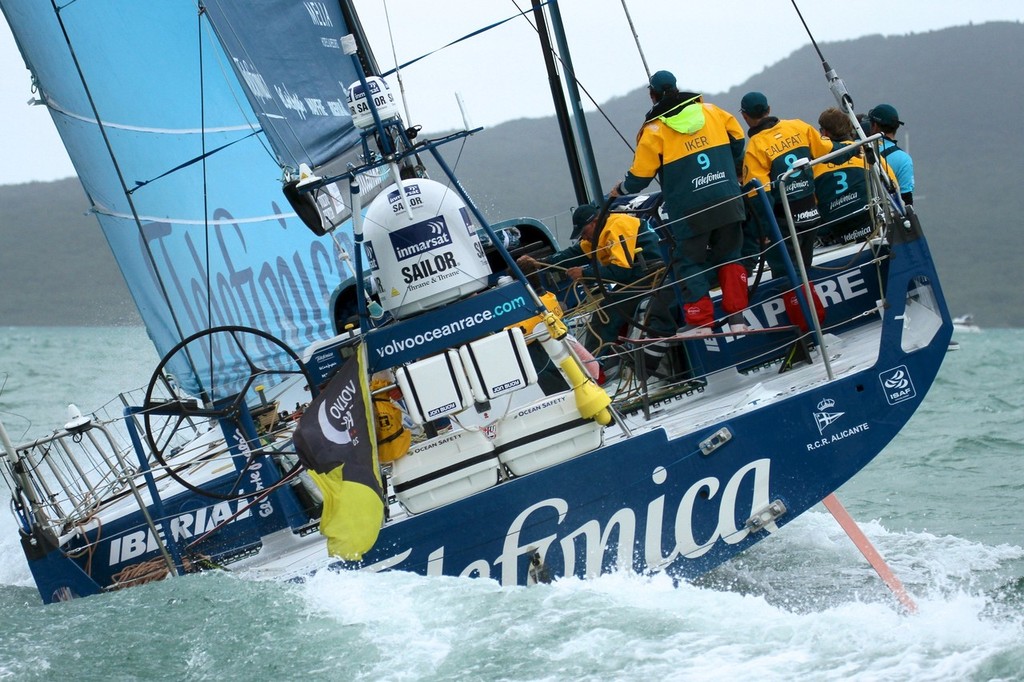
(301, 109)
(177, 167)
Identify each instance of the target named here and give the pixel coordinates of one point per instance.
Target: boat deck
(690, 407)
(728, 393)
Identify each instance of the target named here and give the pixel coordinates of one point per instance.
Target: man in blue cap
(696, 150)
(627, 256)
(885, 119)
(774, 146)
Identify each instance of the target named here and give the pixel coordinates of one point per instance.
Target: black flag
(334, 439)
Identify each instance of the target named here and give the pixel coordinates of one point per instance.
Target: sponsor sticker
(897, 384)
(370, 255)
(824, 417)
(427, 235)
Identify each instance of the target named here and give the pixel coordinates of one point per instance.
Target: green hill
(956, 88)
(55, 267)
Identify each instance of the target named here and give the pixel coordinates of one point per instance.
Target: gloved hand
(528, 264)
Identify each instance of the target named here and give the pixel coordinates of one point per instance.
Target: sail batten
(57, 108)
(249, 220)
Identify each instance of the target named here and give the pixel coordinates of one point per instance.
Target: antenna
(636, 39)
(394, 55)
(845, 101)
(462, 110)
(838, 88)
(835, 83)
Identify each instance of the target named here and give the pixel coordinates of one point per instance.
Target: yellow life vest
(393, 439)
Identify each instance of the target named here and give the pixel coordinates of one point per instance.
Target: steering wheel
(247, 358)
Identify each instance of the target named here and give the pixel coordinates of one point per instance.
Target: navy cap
(754, 104)
(662, 81)
(581, 216)
(886, 114)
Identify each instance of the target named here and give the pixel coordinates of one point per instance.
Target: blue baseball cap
(581, 216)
(662, 81)
(886, 115)
(754, 104)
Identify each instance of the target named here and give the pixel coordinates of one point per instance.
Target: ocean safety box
(434, 387)
(444, 469)
(544, 433)
(498, 364)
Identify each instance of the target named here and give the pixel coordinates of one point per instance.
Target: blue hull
(648, 502)
(651, 503)
(654, 503)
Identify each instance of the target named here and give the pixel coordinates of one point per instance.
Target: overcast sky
(500, 75)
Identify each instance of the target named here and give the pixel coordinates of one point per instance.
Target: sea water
(942, 503)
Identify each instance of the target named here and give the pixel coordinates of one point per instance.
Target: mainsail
(179, 169)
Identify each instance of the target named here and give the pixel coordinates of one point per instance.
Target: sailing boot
(733, 280)
(732, 277)
(699, 316)
(796, 314)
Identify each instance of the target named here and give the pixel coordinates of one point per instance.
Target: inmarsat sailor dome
(387, 105)
(426, 256)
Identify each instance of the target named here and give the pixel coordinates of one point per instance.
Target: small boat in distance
(965, 323)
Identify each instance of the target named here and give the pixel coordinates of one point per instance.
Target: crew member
(774, 146)
(696, 150)
(627, 256)
(885, 119)
(841, 187)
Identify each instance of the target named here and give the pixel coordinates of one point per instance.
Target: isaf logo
(897, 384)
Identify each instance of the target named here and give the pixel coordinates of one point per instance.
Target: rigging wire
(845, 101)
(571, 74)
(524, 14)
(3, 383)
(119, 173)
(254, 128)
(808, 30)
(450, 44)
(636, 39)
(279, 124)
(206, 194)
(835, 83)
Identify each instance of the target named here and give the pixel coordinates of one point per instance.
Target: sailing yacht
(317, 299)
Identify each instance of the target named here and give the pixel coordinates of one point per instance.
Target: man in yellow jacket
(696, 151)
(627, 256)
(775, 145)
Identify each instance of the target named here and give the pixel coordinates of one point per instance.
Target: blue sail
(180, 172)
(301, 109)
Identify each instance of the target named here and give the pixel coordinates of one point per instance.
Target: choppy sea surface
(942, 503)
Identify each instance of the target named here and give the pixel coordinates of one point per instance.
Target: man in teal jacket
(885, 119)
(696, 150)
